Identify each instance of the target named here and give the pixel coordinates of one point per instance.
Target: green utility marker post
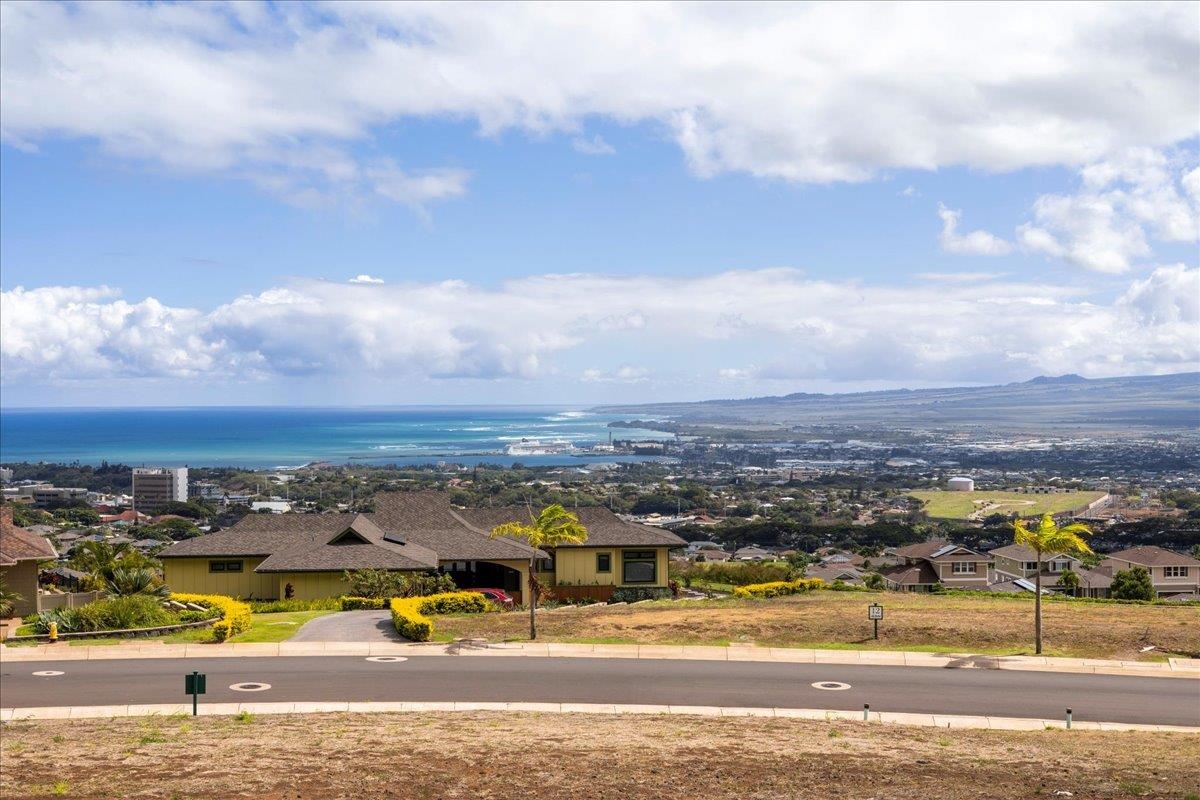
(194, 685)
(875, 613)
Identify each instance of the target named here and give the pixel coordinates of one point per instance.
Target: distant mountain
(1066, 402)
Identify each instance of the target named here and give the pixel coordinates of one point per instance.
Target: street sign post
(195, 685)
(875, 613)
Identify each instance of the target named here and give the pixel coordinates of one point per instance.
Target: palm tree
(1047, 537)
(126, 581)
(553, 527)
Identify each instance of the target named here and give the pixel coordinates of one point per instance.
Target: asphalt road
(1103, 698)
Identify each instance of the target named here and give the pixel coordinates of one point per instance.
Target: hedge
(778, 588)
(408, 613)
(277, 606)
(362, 603)
(235, 615)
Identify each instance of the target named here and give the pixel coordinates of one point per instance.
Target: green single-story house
(272, 556)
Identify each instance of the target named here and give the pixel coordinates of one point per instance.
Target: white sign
(874, 611)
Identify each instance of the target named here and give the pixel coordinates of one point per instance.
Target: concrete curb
(885, 717)
(1173, 668)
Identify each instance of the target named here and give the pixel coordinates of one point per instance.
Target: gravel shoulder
(545, 757)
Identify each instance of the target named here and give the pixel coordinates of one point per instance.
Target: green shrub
(632, 594)
(779, 588)
(387, 584)
(116, 613)
(454, 603)
(276, 606)
(361, 603)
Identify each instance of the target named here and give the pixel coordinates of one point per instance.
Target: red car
(497, 596)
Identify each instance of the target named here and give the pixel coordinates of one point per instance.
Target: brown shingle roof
(1153, 556)
(427, 518)
(18, 544)
(919, 574)
(605, 529)
(1019, 552)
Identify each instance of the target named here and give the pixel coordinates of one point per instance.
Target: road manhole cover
(831, 686)
(250, 687)
(386, 659)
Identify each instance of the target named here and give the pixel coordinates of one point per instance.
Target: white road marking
(49, 673)
(831, 686)
(250, 687)
(386, 659)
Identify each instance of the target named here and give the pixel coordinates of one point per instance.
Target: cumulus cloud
(366, 279)
(975, 243)
(528, 328)
(1122, 203)
(285, 94)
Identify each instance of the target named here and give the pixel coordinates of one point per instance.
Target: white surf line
(10, 715)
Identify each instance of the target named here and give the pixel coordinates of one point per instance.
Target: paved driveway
(349, 626)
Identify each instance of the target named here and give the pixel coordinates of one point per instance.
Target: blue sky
(183, 215)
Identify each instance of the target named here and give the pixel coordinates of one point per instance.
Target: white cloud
(366, 279)
(1123, 202)
(975, 243)
(623, 374)
(282, 95)
(416, 190)
(596, 146)
(530, 328)
(959, 277)
(909, 191)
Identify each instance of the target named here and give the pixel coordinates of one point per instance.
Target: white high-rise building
(154, 487)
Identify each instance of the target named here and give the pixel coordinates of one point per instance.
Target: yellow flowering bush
(362, 603)
(235, 615)
(778, 588)
(408, 613)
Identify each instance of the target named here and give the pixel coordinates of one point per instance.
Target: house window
(603, 562)
(224, 566)
(1030, 566)
(1175, 572)
(964, 568)
(1059, 566)
(639, 566)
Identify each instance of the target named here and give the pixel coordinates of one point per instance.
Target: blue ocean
(262, 437)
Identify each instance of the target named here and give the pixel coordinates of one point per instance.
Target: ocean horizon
(269, 437)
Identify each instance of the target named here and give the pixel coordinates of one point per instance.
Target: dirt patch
(981, 624)
(548, 757)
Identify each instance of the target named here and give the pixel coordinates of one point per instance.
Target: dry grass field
(548, 757)
(961, 505)
(976, 624)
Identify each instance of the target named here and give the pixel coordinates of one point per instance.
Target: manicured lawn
(960, 505)
(984, 624)
(608, 757)
(277, 627)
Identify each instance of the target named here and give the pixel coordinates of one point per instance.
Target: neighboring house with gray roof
(305, 555)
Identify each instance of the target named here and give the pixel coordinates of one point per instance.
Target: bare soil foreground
(549, 757)
(983, 624)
